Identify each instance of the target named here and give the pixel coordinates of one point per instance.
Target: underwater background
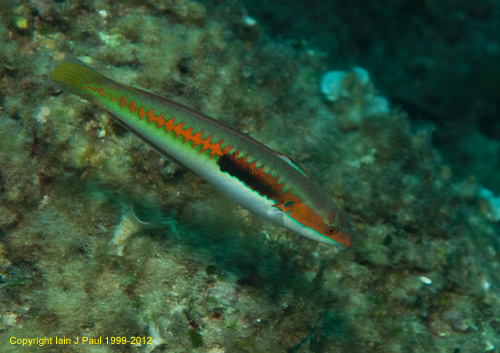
(392, 106)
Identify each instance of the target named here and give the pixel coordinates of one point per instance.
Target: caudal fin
(74, 76)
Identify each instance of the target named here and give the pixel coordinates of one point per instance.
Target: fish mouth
(343, 239)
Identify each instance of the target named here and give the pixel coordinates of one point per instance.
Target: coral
(356, 87)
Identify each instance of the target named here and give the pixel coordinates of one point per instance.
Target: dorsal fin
(293, 164)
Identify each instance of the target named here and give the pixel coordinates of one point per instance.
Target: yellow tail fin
(74, 76)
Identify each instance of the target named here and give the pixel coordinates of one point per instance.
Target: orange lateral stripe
(132, 107)
(141, 113)
(177, 129)
(99, 91)
(187, 134)
(158, 119)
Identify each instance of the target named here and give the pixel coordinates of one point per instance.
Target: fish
(263, 181)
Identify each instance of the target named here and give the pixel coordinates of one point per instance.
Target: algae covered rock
(100, 237)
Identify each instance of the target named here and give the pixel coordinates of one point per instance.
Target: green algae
(196, 338)
(227, 282)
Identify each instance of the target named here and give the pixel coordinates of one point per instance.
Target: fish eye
(288, 203)
(330, 230)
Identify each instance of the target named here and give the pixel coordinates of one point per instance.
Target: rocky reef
(196, 273)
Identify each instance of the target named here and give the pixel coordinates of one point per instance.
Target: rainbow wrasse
(250, 174)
